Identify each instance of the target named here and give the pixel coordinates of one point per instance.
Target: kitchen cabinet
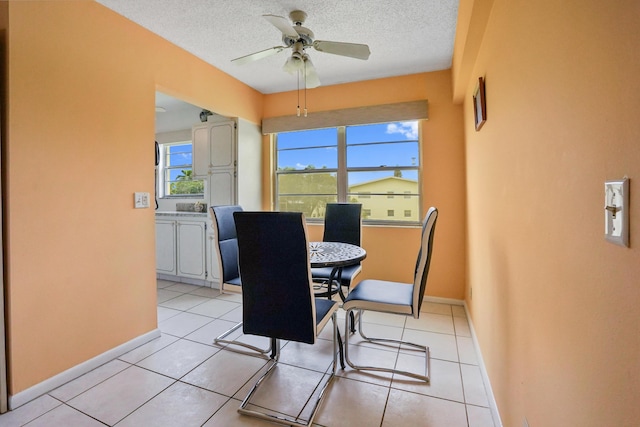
(227, 156)
(184, 248)
(214, 159)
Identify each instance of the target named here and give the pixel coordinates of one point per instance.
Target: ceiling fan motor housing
(305, 35)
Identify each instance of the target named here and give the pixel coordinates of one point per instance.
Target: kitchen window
(368, 164)
(176, 173)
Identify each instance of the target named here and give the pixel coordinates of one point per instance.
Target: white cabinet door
(166, 246)
(222, 145)
(222, 187)
(200, 146)
(191, 249)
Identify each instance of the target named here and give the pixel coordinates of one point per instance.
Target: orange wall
(555, 306)
(79, 142)
(391, 252)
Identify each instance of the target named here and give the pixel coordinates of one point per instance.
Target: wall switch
(141, 200)
(616, 211)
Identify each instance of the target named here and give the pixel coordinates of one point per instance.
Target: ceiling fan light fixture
(294, 63)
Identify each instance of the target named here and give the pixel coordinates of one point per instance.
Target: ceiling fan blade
(311, 76)
(352, 50)
(258, 55)
(283, 25)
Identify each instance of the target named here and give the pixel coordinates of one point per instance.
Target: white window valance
(402, 111)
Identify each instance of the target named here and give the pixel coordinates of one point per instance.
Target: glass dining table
(335, 255)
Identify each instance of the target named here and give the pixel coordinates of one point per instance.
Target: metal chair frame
(221, 339)
(367, 296)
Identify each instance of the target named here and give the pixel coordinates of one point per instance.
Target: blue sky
(396, 146)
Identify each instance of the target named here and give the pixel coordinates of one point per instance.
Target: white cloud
(409, 130)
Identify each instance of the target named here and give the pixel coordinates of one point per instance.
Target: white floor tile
(411, 409)
(445, 379)
(442, 346)
(458, 311)
(474, 391)
(208, 333)
(344, 396)
(228, 416)
(164, 295)
(225, 372)
(146, 350)
(177, 359)
(479, 417)
(436, 308)
(179, 405)
(118, 396)
(214, 308)
(462, 327)
(432, 322)
(183, 324)
(29, 411)
(184, 302)
(165, 313)
(88, 380)
(64, 415)
(466, 351)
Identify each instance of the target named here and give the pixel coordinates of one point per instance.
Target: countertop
(202, 215)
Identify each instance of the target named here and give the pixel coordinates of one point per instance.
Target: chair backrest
(227, 240)
(424, 259)
(277, 291)
(343, 223)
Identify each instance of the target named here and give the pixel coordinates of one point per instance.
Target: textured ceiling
(405, 36)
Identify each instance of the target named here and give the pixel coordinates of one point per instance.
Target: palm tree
(185, 176)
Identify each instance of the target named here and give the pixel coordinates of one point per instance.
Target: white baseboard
(493, 406)
(441, 300)
(188, 281)
(56, 381)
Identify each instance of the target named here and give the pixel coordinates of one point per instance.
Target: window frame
(164, 173)
(342, 176)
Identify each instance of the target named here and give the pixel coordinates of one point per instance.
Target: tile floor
(182, 379)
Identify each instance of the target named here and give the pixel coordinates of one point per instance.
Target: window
(175, 170)
(368, 164)
(390, 212)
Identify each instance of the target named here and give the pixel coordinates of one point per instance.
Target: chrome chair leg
(274, 362)
(220, 340)
(382, 341)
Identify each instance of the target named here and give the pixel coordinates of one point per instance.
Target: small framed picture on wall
(479, 104)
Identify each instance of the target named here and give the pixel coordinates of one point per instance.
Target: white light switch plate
(616, 211)
(141, 200)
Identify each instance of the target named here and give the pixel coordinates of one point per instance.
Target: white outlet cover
(616, 211)
(141, 200)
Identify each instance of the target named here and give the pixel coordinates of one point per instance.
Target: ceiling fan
(298, 38)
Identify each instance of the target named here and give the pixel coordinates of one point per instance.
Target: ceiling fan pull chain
(298, 80)
(305, 87)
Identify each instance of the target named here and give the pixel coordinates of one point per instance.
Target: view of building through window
(376, 165)
(177, 173)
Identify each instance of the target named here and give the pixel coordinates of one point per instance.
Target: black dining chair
(227, 256)
(396, 298)
(277, 295)
(342, 223)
